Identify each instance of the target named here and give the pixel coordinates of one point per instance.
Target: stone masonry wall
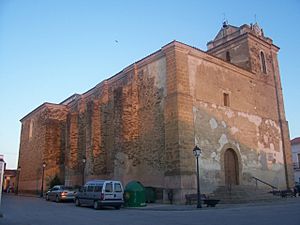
(119, 127)
(42, 140)
(31, 149)
(54, 152)
(143, 123)
(179, 131)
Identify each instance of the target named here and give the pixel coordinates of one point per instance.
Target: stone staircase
(243, 194)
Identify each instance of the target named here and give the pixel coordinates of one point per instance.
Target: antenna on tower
(255, 18)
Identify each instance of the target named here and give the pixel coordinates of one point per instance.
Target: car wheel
(96, 205)
(117, 207)
(57, 199)
(77, 202)
(47, 198)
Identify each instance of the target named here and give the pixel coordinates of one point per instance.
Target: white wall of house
(296, 159)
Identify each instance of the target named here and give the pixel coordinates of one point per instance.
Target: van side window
(90, 188)
(98, 188)
(108, 187)
(118, 188)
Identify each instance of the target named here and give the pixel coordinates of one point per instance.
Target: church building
(143, 123)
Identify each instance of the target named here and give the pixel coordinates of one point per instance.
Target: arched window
(263, 62)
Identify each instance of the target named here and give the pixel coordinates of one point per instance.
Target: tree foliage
(54, 181)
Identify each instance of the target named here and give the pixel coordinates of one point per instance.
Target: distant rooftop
(295, 141)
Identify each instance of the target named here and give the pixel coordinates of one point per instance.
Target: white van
(98, 193)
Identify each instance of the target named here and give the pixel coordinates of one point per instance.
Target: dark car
(60, 193)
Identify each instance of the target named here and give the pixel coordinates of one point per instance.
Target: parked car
(60, 193)
(98, 193)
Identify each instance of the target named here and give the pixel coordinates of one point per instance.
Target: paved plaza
(21, 210)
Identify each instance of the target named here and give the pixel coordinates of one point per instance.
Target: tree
(54, 181)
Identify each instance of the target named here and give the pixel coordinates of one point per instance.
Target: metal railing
(263, 182)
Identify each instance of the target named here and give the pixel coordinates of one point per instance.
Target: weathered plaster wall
(249, 125)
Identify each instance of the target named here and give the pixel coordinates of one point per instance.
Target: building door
(231, 167)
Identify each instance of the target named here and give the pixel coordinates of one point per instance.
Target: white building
(295, 144)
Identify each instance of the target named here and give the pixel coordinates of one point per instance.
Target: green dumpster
(150, 194)
(134, 195)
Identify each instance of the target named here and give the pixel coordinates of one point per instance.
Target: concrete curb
(28, 195)
(162, 207)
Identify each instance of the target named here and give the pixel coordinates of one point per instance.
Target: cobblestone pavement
(20, 210)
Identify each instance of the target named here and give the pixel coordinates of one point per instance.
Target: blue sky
(50, 49)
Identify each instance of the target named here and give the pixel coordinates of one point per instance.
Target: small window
(98, 188)
(109, 187)
(228, 58)
(226, 99)
(263, 63)
(118, 187)
(30, 128)
(90, 188)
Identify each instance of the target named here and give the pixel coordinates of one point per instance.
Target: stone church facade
(143, 123)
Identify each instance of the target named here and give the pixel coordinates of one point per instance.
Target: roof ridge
(295, 141)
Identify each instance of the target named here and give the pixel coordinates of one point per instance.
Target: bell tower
(248, 48)
(245, 46)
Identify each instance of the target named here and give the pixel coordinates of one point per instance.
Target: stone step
(243, 194)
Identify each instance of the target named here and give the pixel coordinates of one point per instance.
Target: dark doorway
(231, 167)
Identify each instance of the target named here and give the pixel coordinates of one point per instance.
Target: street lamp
(42, 187)
(18, 178)
(197, 152)
(83, 167)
